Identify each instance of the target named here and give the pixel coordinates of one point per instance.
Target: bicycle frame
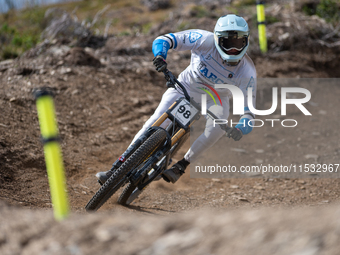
(181, 128)
(171, 83)
(150, 165)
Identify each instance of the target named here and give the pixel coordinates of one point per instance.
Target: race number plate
(184, 112)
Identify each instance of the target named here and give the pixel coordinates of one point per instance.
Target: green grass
(329, 10)
(199, 11)
(271, 19)
(146, 27)
(20, 31)
(326, 9)
(184, 25)
(241, 3)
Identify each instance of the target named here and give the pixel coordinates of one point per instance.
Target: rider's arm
(162, 44)
(186, 40)
(245, 122)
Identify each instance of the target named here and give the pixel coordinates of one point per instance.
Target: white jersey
(207, 66)
(206, 70)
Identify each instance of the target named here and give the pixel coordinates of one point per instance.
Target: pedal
(101, 184)
(164, 178)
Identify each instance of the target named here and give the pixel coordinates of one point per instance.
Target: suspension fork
(163, 117)
(131, 149)
(139, 141)
(180, 133)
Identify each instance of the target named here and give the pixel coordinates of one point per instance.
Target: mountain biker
(216, 58)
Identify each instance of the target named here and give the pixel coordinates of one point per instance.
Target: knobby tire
(123, 198)
(115, 181)
(126, 194)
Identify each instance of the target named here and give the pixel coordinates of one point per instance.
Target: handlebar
(172, 79)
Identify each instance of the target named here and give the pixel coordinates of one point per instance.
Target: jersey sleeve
(248, 84)
(194, 39)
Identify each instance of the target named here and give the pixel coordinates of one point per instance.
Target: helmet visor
(233, 45)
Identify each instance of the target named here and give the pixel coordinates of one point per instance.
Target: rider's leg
(211, 134)
(177, 170)
(209, 137)
(168, 98)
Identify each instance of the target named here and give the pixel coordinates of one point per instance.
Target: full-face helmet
(231, 36)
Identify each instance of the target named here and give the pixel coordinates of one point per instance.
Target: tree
(10, 4)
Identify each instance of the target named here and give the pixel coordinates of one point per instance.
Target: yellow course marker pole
(261, 23)
(52, 151)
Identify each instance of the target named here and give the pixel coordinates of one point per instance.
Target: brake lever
(169, 77)
(169, 84)
(171, 81)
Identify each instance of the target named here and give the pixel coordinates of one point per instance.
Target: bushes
(329, 10)
(14, 42)
(326, 9)
(20, 31)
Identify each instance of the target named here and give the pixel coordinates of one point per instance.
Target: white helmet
(231, 35)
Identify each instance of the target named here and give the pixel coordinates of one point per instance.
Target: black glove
(235, 133)
(159, 63)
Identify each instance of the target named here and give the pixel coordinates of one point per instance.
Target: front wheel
(131, 192)
(117, 178)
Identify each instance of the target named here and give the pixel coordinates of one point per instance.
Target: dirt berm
(265, 231)
(102, 98)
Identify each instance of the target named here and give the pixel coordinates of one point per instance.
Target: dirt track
(265, 231)
(99, 109)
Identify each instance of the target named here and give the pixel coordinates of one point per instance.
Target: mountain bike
(149, 156)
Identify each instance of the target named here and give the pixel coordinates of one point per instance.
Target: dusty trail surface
(100, 107)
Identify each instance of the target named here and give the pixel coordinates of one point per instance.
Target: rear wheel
(117, 179)
(123, 198)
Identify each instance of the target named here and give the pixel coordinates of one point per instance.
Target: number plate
(184, 112)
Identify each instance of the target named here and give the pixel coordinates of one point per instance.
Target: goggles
(232, 42)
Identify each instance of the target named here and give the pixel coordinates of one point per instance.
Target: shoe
(174, 173)
(103, 176)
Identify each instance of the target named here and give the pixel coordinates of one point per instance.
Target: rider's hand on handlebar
(159, 63)
(235, 133)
